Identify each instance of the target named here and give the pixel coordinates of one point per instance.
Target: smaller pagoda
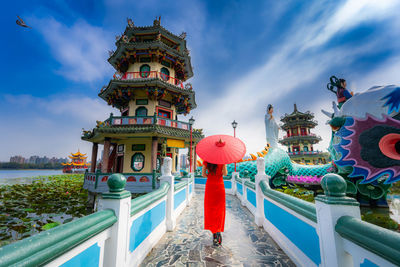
(299, 138)
(78, 163)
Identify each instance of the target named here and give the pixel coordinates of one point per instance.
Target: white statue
(271, 127)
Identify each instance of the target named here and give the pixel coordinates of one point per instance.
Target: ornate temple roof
(150, 38)
(297, 114)
(77, 155)
(134, 129)
(143, 84)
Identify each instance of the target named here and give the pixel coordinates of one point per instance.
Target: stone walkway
(243, 243)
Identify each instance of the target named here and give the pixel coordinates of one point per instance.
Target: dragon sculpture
(365, 147)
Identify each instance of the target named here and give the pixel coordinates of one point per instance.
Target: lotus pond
(48, 201)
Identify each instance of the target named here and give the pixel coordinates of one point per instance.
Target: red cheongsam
(214, 202)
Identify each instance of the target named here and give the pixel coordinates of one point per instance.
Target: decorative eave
(143, 84)
(130, 31)
(306, 123)
(151, 129)
(301, 138)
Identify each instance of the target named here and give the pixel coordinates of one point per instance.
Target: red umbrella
(221, 149)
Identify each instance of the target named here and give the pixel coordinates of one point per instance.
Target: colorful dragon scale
(359, 148)
(275, 160)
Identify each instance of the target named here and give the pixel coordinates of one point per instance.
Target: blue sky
(245, 55)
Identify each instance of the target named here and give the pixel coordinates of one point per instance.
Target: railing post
(234, 187)
(119, 200)
(260, 176)
(330, 207)
(187, 189)
(244, 195)
(166, 176)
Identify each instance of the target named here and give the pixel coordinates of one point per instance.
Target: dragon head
(365, 141)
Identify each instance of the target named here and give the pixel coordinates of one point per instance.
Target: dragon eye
(390, 145)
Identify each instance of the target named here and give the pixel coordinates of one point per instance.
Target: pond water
(24, 176)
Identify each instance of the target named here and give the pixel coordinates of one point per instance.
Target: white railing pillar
(119, 200)
(260, 176)
(330, 207)
(244, 195)
(188, 179)
(166, 176)
(233, 179)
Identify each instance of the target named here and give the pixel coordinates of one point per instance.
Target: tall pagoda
(78, 163)
(299, 138)
(148, 88)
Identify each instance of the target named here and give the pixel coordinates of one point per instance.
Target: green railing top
(238, 179)
(124, 174)
(180, 185)
(300, 206)
(142, 202)
(48, 245)
(250, 184)
(378, 240)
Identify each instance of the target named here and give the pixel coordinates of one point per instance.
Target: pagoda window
(164, 113)
(165, 74)
(305, 148)
(303, 131)
(144, 71)
(141, 112)
(296, 149)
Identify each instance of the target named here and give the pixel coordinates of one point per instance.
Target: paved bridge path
(243, 243)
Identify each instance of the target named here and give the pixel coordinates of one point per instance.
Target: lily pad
(48, 226)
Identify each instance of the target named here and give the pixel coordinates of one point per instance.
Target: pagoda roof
(77, 154)
(138, 129)
(127, 41)
(75, 164)
(77, 157)
(313, 139)
(297, 113)
(135, 84)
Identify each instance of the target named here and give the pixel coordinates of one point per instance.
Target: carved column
(95, 148)
(154, 146)
(106, 154)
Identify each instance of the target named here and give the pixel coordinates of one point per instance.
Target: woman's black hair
(341, 81)
(212, 168)
(269, 107)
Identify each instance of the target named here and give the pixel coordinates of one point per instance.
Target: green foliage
(382, 220)
(48, 226)
(298, 192)
(15, 165)
(27, 209)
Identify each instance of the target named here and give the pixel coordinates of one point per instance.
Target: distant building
(17, 159)
(299, 138)
(78, 163)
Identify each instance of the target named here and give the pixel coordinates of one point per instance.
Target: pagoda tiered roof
(298, 115)
(126, 130)
(152, 41)
(119, 92)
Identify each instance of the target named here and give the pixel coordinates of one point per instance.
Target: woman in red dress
(214, 200)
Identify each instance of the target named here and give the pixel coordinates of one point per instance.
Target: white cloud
(51, 126)
(81, 49)
(245, 98)
(352, 13)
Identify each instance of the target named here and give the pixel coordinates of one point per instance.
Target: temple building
(148, 89)
(299, 138)
(78, 163)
